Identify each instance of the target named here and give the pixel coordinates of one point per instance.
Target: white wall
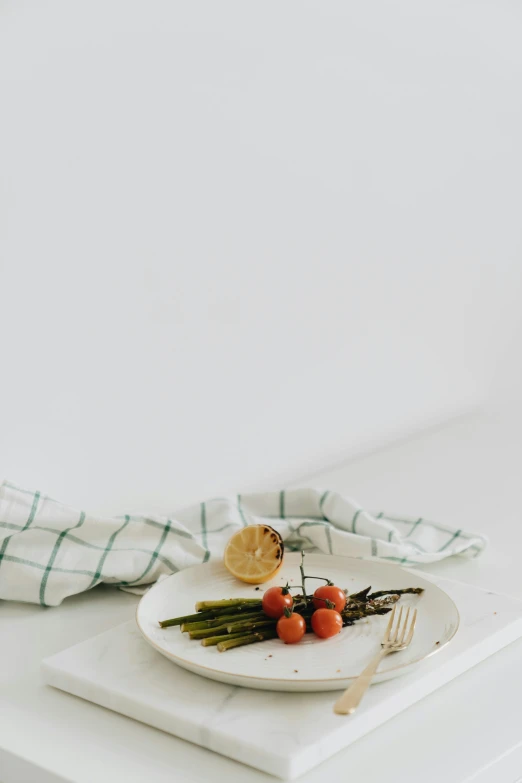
(239, 240)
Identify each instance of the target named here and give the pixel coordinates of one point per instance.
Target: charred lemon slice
(254, 554)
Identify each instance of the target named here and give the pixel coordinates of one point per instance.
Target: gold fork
(397, 637)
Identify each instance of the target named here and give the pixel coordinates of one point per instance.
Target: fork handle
(352, 696)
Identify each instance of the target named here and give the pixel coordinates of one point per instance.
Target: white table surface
(468, 474)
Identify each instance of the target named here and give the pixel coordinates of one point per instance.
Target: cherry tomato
(330, 593)
(275, 600)
(326, 623)
(291, 629)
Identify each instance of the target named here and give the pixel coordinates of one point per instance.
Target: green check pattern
(49, 551)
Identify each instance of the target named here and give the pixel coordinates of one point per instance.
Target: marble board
(120, 671)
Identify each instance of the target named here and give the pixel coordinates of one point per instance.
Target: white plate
(313, 664)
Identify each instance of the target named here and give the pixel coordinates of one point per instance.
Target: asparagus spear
(208, 641)
(245, 607)
(404, 591)
(187, 618)
(386, 600)
(212, 614)
(246, 625)
(204, 632)
(364, 595)
(239, 641)
(202, 606)
(222, 620)
(351, 617)
(361, 596)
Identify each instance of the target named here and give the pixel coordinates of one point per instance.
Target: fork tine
(390, 623)
(397, 629)
(405, 626)
(412, 627)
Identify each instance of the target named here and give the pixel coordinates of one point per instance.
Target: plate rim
(248, 677)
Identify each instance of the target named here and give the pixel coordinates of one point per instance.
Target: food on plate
(332, 593)
(291, 627)
(234, 622)
(254, 554)
(326, 623)
(276, 600)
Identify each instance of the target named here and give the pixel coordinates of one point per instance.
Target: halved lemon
(254, 554)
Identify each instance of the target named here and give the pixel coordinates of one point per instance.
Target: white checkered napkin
(49, 551)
